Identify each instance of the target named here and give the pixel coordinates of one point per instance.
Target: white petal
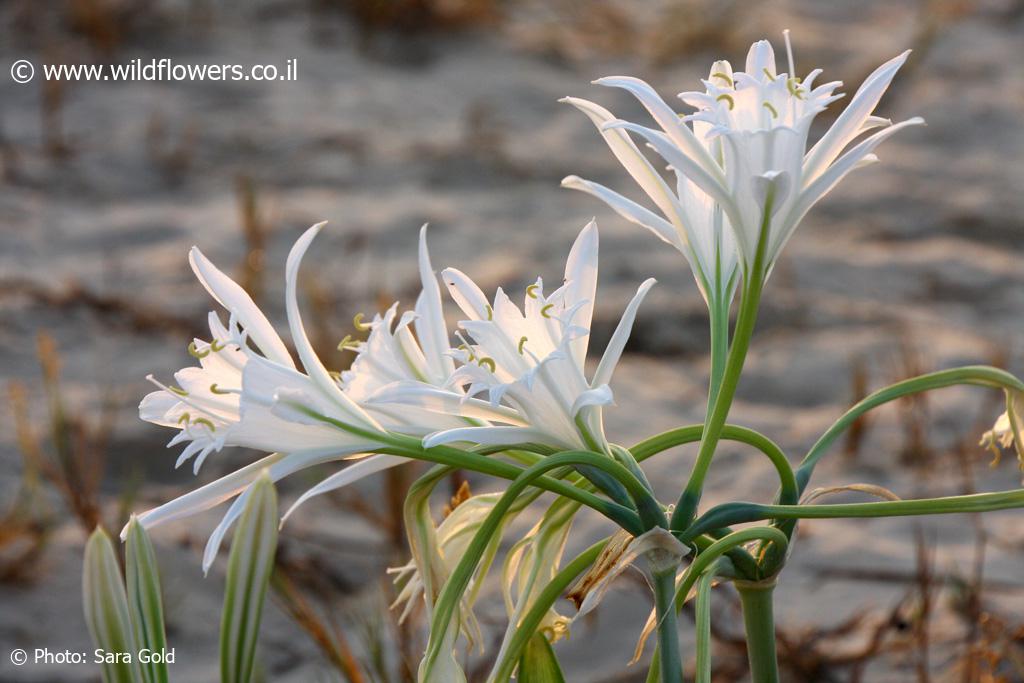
(581, 285)
(435, 399)
(850, 123)
(465, 293)
(487, 436)
(277, 471)
(430, 327)
(669, 121)
(349, 475)
(635, 163)
(314, 367)
(598, 396)
(761, 57)
(627, 208)
(205, 497)
(231, 296)
(611, 356)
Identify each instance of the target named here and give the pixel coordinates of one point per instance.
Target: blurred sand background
(445, 111)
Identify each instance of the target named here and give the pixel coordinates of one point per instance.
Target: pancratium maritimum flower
(747, 147)
(1008, 429)
(529, 361)
(248, 392)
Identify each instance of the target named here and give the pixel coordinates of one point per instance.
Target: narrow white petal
(851, 122)
(205, 497)
(314, 367)
(435, 399)
(465, 293)
(613, 353)
(635, 163)
(349, 475)
(669, 121)
(627, 208)
(487, 436)
(581, 285)
(598, 396)
(231, 296)
(430, 327)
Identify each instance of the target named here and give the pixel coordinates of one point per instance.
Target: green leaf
(145, 605)
(249, 568)
(539, 663)
(106, 610)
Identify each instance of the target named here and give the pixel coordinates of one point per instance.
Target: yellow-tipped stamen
(773, 110)
(724, 76)
(544, 311)
(531, 291)
(768, 74)
(490, 311)
(357, 320)
(196, 353)
(488, 363)
(176, 390)
(727, 98)
(348, 343)
(214, 389)
(215, 346)
(203, 421)
(522, 340)
(793, 85)
(185, 417)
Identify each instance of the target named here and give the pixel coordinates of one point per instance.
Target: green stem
(719, 321)
(739, 513)
(759, 625)
(977, 375)
(671, 664)
(702, 622)
(753, 283)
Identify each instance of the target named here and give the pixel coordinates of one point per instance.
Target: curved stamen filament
(359, 324)
(196, 353)
(203, 421)
(727, 98)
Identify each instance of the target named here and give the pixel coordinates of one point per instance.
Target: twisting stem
(759, 625)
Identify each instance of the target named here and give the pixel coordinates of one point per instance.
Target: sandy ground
(918, 258)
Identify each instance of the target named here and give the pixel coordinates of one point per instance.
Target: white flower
(254, 396)
(529, 361)
(451, 540)
(761, 118)
(693, 223)
(1008, 429)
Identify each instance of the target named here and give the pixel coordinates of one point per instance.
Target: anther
(724, 76)
(773, 110)
(185, 417)
(360, 325)
(348, 343)
(522, 340)
(215, 346)
(487, 363)
(176, 390)
(196, 353)
(768, 74)
(214, 389)
(531, 291)
(544, 311)
(490, 311)
(204, 421)
(793, 85)
(727, 98)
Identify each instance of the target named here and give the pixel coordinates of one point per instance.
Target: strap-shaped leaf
(106, 610)
(249, 567)
(539, 663)
(145, 605)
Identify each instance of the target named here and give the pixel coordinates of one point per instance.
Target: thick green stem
(670, 659)
(719, 318)
(753, 283)
(759, 624)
